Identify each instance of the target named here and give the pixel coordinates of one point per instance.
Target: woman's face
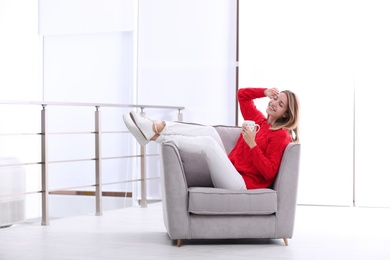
(277, 107)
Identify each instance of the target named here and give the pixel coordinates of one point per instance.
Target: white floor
(139, 233)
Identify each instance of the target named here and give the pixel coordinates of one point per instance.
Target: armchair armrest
(175, 193)
(286, 185)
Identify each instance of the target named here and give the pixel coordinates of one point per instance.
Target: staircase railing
(44, 162)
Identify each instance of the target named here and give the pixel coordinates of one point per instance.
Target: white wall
(85, 16)
(335, 56)
(372, 66)
(67, 51)
(293, 45)
(88, 50)
(20, 80)
(187, 57)
(20, 51)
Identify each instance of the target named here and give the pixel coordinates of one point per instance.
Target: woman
(254, 161)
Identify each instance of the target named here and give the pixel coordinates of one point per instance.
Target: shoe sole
(133, 128)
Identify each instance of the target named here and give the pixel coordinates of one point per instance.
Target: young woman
(254, 161)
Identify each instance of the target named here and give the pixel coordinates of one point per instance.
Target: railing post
(98, 157)
(143, 202)
(180, 116)
(44, 168)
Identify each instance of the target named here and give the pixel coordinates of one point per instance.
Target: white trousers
(204, 140)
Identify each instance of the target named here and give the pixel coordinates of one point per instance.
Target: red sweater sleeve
(248, 108)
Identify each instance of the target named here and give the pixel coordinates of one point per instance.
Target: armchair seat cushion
(213, 201)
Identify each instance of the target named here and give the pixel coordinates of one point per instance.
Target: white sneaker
(134, 130)
(144, 124)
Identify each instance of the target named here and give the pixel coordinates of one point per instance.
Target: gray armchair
(194, 209)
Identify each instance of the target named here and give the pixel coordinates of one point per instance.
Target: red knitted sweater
(259, 165)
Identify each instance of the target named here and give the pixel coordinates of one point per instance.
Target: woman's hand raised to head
(271, 92)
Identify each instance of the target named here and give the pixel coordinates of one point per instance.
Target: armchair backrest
(289, 167)
(198, 175)
(195, 166)
(229, 136)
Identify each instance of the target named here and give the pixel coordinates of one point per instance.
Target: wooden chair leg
(285, 241)
(178, 242)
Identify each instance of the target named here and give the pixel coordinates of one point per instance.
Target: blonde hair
(290, 122)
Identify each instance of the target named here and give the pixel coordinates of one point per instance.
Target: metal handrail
(98, 158)
(78, 104)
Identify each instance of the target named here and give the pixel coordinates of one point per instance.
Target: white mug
(251, 125)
